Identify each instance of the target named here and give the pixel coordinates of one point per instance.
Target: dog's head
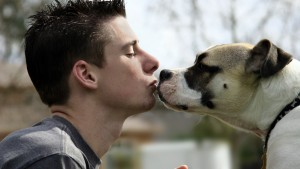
(222, 79)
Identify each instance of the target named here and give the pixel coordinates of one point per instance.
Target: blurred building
(168, 155)
(20, 106)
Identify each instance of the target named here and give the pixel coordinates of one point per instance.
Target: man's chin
(149, 103)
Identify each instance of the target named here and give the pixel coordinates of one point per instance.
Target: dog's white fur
(281, 89)
(255, 110)
(284, 142)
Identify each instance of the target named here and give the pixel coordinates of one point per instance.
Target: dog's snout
(165, 75)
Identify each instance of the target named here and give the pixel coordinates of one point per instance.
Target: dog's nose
(165, 75)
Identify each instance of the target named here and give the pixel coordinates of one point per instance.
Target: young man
(87, 66)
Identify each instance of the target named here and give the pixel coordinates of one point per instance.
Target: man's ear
(84, 74)
(267, 59)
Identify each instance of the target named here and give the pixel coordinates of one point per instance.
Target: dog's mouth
(183, 107)
(176, 107)
(160, 95)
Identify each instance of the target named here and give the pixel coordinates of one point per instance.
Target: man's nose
(165, 75)
(151, 64)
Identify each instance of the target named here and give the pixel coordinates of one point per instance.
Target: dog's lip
(160, 95)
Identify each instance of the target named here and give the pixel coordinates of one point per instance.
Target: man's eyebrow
(132, 43)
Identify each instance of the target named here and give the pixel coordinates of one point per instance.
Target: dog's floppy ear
(267, 59)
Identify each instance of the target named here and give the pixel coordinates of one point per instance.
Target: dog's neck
(272, 95)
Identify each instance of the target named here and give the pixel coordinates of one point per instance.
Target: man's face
(126, 79)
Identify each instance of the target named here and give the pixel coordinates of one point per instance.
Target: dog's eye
(210, 69)
(201, 66)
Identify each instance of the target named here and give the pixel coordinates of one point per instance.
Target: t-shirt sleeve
(56, 161)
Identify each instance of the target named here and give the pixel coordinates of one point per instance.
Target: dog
(254, 88)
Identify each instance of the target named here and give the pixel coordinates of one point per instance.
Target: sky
(174, 48)
(155, 37)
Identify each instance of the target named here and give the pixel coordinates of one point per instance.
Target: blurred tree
(13, 15)
(229, 21)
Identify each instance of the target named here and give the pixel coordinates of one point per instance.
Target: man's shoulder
(44, 139)
(45, 134)
(57, 161)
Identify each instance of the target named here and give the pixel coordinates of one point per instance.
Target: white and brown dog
(248, 87)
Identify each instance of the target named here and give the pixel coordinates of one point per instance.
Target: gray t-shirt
(52, 143)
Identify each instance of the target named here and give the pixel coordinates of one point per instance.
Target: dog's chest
(284, 142)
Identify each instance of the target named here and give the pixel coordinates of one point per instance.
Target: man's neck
(98, 129)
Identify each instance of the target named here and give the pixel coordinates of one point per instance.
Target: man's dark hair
(63, 34)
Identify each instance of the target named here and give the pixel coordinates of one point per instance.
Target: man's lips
(153, 85)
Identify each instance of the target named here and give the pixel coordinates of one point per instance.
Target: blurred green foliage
(13, 19)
